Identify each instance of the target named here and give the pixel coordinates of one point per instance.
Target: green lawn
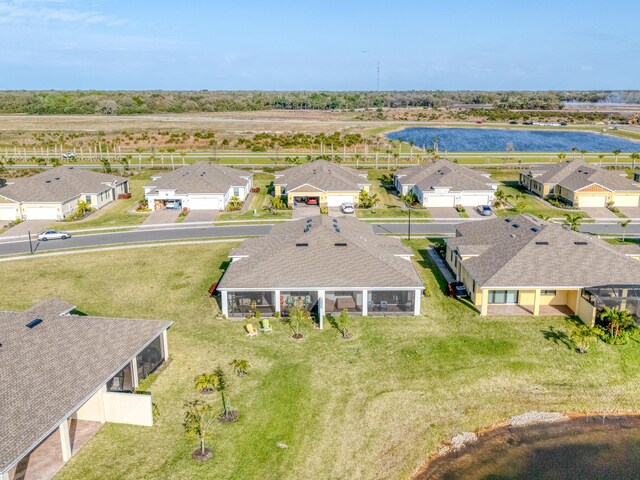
(389, 206)
(534, 205)
(259, 202)
(374, 406)
(117, 213)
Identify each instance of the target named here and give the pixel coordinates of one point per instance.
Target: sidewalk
(444, 269)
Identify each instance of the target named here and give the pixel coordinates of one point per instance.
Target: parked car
(347, 207)
(457, 290)
(53, 235)
(312, 201)
(69, 155)
(173, 204)
(478, 122)
(484, 210)
(513, 122)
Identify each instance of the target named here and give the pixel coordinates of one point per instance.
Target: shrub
(124, 196)
(324, 210)
(276, 315)
(143, 205)
(255, 190)
(460, 209)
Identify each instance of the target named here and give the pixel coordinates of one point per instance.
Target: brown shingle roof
(367, 260)
(444, 174)
(48, 371)
(325, 176)
(201, 177)
(59, 184)
(576, 174)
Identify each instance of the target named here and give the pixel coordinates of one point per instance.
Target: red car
(312, 201)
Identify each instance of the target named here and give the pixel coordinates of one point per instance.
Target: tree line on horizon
(148, 102)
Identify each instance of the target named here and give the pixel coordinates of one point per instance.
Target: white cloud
(35, 12)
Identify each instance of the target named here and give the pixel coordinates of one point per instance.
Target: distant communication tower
(378, 78)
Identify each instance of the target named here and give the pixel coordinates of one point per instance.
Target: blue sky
(324, 45)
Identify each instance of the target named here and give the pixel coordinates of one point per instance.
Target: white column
(536, 302)
(165, 346)
(365, 304)
(416, 302)
(223, 303)
(484, 306)
(321, 308)
(65, 440)
(4, 476)
(134, 372)
(103, 415)
(277, 301)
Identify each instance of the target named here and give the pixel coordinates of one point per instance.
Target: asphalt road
(187, 233)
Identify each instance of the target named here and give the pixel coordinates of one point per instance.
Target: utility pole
(30, 243)
(378, 77)
(409, 231)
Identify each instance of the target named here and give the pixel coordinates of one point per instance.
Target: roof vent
(542, 243)
(47, 181)
(302, 244)
(341, 244)
(515, 225)
(308, 227)
(34, 323)
(580, 243)
(337, 229)
(309, 220)
(57, 178)
(535, 229)
(508, 219)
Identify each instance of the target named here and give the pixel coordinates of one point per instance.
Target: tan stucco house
(328, 184)
(331, 264)
(446, 184)
(199, 186)
(55, 193)
(581, 184)
(64, 375)
(523, 265)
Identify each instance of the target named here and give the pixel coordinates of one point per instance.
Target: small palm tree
(241, 367)
(574, 150)
(562, 156)
(600, 158)
(582, 152)
(634, 158)
(573, 220)
(583, 336)
(616, 153)
(222, 386)
(624, 224)
(617, 320)
(205, 383)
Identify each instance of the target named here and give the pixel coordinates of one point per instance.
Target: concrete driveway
(443, 212)
(167, 215)
(201, 216)
(631, 212)
(23, 228)
(304, 211)
(599, 212)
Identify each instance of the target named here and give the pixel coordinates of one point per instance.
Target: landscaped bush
(460, 209)
(143, 205)
(559, 202)
(255, 190)
(124, 196)
(324, 210)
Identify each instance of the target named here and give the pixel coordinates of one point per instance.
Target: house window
(246, 303)
(550, 293)
(390, 302)
(87, 198)
(503, 296)
(236, 192)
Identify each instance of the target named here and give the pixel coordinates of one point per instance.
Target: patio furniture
(265, 325)
(383, 305)
(251, 331)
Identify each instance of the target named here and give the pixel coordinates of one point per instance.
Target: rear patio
(527, 310)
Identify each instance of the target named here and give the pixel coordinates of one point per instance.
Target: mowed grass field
(371, 407)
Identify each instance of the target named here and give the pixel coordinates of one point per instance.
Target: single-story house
(329, 184)
(524, 265)
(63, 374)
(446, 184)
(55, 193)
(330, 264)
(199, 186)
(582, 184)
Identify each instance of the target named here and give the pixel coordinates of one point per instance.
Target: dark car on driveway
(457, 290)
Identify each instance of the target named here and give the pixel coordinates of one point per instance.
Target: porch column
(321, 308)
(416, 302)
(277, 301)
(365, 303)
(65, 440)
(165, 346)
(134, 372)
(484, 306)
(224, 303)
(4, 476)
(623, 302)
(536, 302)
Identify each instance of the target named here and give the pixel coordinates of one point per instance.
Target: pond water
(581, 448)
(498, 140)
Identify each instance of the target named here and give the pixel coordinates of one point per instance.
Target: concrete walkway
(444, 269)
(199, 216)
(23, 228)
(159, 217)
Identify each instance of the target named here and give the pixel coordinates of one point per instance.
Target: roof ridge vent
(580, 242)
(341, 244)
(34, 323)
(302, 244)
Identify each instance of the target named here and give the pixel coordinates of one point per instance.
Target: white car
(69, 155)
(172, 204)
(347, 207)
(53, 235)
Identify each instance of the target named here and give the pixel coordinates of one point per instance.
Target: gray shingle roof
(59, 184)
(326, 176)
(576, 174)
(367, 260)
(48, 371)
(539, 254)
(201, 177)
(444, 174)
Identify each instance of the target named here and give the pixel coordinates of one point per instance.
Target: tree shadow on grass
(559, 337)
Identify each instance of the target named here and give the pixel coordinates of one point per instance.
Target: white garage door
(625, 200)
(337, 200)
(41, 213)
(439, 200)
(474, 200)
(8, 212)
(206, 203)
(592, 201)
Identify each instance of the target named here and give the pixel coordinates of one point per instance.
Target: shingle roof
(540, 254)
(48, 371)
(326, 176)
(444, 174)
(576, 174)
(59, 184)
(367, 259)
(201, 177)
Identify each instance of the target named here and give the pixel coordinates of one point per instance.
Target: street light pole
(409, 232)
(30, 243)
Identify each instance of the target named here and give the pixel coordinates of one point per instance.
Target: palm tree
(562, 156)
(573, 220)
(241, 367)
(582, 152)
(222, 385)
(617, 320)
(205, 383)
(600, 158)
(624, 224)
(582, 335)
(574, 151)
(634, 157)
(616, 153)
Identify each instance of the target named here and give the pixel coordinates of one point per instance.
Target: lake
(581, 448)
(497, 140)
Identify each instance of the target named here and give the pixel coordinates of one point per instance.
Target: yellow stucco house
(320, 183)
(581, 184)
(525, 266)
